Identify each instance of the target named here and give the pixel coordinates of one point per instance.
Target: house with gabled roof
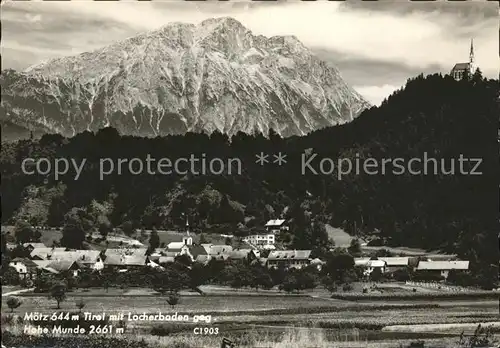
(442, 267)
(247, 255)
(276, 226)
(26, 268)
(125, 262)
(33, 245)
(45, 253)
(369, 264)
(289, 258)
(394, 263)
(62, 266)
(90, 259)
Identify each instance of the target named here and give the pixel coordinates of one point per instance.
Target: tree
(260, 277)
(203, 239)
(169, 280)
(4, 244)
(402, 274)
(355, 247)
(338, 265)
(104, 228)
(24, 232)
(80, 304)
(76, 225)
(477, 77)
(184, 260)
(306, 279)
(13, 303)
(290, 284)
(10, 276)
(128, 228)
(376, 275)
(197, 275)
(173, 299)
(154, 240)
(58, 293)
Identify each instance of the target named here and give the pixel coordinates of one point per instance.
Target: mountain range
(214, 76)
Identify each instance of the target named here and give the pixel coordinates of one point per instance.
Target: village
(373, 264)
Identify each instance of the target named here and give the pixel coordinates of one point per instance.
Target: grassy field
(288, 321)
(374, 320)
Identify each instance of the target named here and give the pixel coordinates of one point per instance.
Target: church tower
(472, 65)
(187, 240)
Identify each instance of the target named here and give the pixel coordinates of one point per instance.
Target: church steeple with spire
(188, 240)
(472, 66)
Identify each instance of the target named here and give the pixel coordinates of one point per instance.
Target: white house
(261, 241)
(26, 268)
(276, 226)
(369, 264)
(289, 258)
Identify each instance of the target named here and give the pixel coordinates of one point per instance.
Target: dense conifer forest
(435, 115)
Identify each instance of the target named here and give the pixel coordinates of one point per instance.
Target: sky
(376, 46)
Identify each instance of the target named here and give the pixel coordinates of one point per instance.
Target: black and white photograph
(240, 174)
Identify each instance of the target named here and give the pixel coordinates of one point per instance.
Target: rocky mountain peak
(182, 77)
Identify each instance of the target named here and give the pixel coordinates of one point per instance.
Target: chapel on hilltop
(465, 69)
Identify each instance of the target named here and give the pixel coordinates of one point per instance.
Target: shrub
(347, 287)
(13, 303)
(80, 304)
(173, 299)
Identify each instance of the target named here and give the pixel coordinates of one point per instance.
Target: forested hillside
(435, 115)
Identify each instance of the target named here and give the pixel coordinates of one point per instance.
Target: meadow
(263, 318)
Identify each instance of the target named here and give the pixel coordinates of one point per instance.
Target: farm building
(442, 267)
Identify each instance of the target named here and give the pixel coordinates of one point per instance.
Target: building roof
(196, 250)
(239, 254)
(221, 256)
(275, 223)
(50, 270)
(42, 263)
(220, 249)
(375, 263)
(34, 245)
(126, 251)
(317, 261)
(461, 66)
(289, 255)
(30, 264)
(443, 265)
(207, 247)
(125, 260)
(202, 258)
(44, 252)
(361, 261)
(395, 261)
(62, 265)
(166, 259)
(82, 256)
(175, 245)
